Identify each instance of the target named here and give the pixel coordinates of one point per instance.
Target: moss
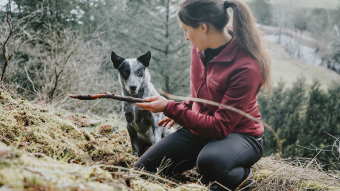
(31, 173)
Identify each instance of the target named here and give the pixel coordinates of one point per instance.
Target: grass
(48, 150)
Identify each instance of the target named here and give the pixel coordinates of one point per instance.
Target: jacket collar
(227, 54)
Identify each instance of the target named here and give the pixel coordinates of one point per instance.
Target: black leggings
(226, 160)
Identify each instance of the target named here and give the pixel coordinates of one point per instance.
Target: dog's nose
(133, 88)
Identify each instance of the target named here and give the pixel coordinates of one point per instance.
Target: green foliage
(307, 121)
(281, 112)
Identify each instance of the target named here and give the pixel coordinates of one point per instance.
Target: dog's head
(132, 71)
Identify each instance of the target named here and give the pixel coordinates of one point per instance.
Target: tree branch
(107, 96)
(30, 80)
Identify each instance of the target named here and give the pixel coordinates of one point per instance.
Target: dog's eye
(125, 74)
(140, 73)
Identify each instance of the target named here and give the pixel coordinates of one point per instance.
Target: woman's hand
(166, 122)
(154, 104)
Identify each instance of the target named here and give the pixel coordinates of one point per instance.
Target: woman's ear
(204, 27)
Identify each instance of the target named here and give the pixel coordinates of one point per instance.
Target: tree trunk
(167, 77)
(4, 45)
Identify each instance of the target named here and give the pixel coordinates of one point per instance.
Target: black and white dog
(135, 81)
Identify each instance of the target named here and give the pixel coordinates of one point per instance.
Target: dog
(135, 81)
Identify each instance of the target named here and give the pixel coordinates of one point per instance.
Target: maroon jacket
(231, 78)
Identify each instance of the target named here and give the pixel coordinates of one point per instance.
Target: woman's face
(197, 36)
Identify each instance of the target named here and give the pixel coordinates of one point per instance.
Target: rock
(4, 150)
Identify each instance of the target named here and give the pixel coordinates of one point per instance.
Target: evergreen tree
(49, 13)
(307, 120)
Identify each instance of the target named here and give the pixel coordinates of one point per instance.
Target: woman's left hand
(154, 104)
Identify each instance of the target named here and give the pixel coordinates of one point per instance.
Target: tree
(139, 26)
(306, 120)
(170, 48)
(4, 42)
(52, 13)
(13, 37)
(262, 11)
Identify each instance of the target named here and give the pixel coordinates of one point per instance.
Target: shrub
(306, 121)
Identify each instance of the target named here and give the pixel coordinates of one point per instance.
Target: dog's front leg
(134, 140)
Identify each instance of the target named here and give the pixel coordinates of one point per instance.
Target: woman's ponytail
(248, 36)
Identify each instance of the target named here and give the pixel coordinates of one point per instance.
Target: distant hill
(288, 69)
(326, 4)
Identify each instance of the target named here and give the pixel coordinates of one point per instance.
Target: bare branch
(58, 74)
(30, 80)
(107, 96)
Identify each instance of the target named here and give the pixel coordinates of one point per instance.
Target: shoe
(247, 183)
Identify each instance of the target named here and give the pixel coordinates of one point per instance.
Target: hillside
(328, 4)
(48, 150)
(288, 69)
(43, 149)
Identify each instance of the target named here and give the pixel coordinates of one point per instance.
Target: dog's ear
(145, 59)
(116, 60)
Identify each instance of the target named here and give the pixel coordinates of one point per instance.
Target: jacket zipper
(203, 79)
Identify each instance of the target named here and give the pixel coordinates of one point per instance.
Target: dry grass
(46, 150)
(280, 175)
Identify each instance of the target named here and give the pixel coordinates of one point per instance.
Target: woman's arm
(243, 88)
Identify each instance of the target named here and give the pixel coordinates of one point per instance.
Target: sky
(3, 5)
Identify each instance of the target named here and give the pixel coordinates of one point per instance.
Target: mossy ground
(47, 150)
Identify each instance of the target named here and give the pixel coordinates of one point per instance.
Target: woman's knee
(212, 164)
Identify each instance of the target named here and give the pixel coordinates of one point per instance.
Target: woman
(228, 67)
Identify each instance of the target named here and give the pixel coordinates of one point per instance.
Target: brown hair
(214, 12)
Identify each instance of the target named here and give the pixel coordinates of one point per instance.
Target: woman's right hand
(166, 122)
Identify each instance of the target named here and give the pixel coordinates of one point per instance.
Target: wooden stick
(107, 96)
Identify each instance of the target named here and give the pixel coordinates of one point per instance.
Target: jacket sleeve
(183, 105)
(243, 85)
